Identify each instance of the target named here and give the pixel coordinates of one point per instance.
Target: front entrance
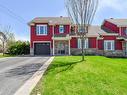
(61, 47)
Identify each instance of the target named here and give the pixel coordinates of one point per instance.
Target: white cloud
(62, 13)
(107, 8)
(22, 38)
(117, 5)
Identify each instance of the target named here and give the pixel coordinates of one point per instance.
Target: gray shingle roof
(96, 31)
(52, 20)
(118, 22)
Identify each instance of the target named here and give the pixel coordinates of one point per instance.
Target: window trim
(125, 31)
(86, 45)
(112, 45)
(39, 33)
(61, 26)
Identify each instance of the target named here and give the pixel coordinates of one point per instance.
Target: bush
(19, 48)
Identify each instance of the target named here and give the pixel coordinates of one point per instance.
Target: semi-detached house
(54, 36)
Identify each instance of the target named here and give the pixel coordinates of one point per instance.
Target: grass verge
(6, 55)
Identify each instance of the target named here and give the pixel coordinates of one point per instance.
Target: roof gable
(118, 22)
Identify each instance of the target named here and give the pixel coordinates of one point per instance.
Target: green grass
(6, 55)
(95, 76)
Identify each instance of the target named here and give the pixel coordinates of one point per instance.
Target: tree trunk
(83, 58)
(3, 48)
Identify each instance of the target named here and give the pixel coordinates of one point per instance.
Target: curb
(32, 82)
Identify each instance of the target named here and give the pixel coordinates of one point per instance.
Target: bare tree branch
(81, 13)
(6, 37)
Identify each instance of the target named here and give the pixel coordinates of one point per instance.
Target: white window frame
(38, 32)
(61, 26)
(112, 45)
(125, 31)
(126, 46)
(86, 44)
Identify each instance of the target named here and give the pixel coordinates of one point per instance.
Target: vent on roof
(111, 18)
(61, 16)
(50, 21)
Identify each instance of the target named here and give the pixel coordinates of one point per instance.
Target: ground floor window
(109, 45)
(80, 43)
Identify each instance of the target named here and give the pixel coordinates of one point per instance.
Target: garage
(41, 48)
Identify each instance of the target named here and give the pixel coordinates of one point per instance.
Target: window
(41, 29)
(109, 45)
(81, 29)
(125, 31)
(80, 43)
(61, 29)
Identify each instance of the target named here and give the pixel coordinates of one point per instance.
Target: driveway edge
(32, 82)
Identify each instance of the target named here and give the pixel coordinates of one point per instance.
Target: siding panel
(74, 43)
(92, 42)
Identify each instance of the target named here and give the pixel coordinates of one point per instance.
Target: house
(54, 36)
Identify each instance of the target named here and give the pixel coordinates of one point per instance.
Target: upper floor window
(109, 45)
(80, 30)
(41, 29)
(80, 43)
(61, 28)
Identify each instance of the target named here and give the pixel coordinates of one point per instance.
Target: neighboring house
(54, 36)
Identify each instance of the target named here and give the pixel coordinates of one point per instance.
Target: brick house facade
(54, 36)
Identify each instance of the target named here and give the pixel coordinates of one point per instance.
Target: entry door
(61, 49)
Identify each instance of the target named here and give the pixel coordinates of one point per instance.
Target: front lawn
(95, 76)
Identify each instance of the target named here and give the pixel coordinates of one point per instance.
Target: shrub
(19, 48)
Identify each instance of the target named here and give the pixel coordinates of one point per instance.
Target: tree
(7, 37)
(19, 48)
(81, 13)
(3, 39)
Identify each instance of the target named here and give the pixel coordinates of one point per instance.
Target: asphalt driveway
(14, 72)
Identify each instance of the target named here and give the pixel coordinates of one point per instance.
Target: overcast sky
(17, 13)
